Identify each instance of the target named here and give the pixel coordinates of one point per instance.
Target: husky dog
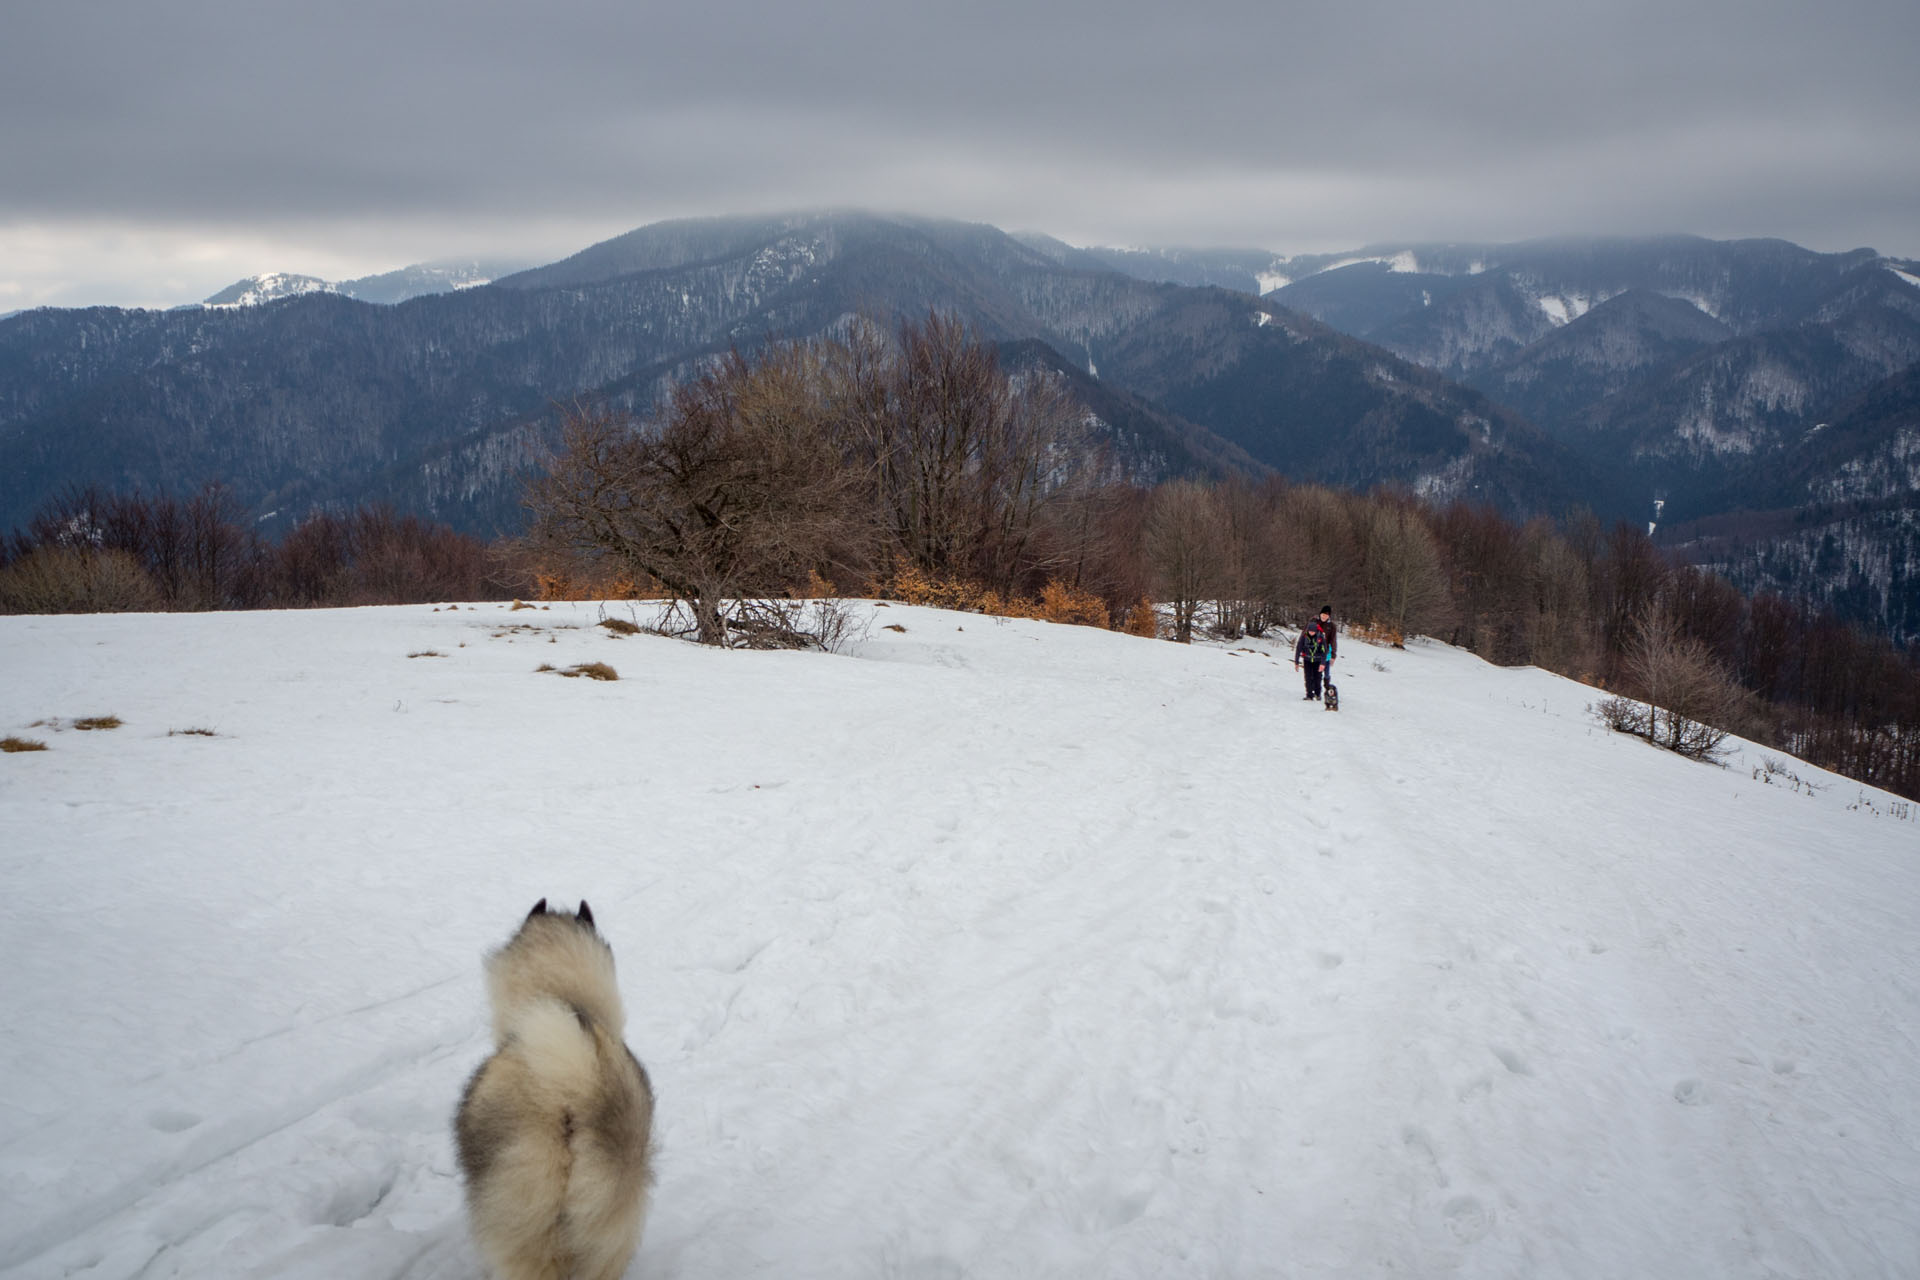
(555, 1129)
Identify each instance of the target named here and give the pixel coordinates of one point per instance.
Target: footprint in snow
(1511, 1061)
(1478, 1087)
(1690, 1093)
(1466, 1218)
(168, 1120)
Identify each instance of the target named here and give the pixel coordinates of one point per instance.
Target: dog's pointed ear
(539, 909)
(586, 914)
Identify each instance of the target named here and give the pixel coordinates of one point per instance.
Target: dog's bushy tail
(555, 1042)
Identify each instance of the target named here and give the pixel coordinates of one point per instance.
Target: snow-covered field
(985, 949)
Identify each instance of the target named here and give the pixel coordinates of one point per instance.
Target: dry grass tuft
(519, 604)
(545, 666)
(592, 671)
(191, 733)
(11, 744)
(620, 626)
(97, 722)
(894, 626)
(427, 653)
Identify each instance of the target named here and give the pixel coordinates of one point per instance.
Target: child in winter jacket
(1316, 647)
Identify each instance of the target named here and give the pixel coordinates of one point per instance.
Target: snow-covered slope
(387, 287)
(269, 287)
(986, 949)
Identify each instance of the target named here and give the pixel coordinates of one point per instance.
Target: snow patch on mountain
(1448, 482)
(1889, 471)
(1907, 276)
(1271, 280)
(1700, 301)
(268, 287)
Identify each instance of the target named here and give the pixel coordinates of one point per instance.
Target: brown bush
(1142, 619)
(11, 744)
(57, 579)
(1062, 603)
(1378, 633)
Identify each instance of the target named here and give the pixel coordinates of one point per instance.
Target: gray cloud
(352, 133)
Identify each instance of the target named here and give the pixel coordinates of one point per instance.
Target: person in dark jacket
(1315, 648)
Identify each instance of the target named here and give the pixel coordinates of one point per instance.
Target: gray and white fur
(555, 1129)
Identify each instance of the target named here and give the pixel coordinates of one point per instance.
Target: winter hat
(1327, 609)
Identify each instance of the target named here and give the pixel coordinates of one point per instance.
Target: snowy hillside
(985, 949)
(269, 287)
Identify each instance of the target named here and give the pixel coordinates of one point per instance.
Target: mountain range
(388, 286)
(1756, 400)
(1753, 399)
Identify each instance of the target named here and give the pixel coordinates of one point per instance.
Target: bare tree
(733, 493)
(1317, 549)
(962, 456)
(1406, 589)
(1690, 697)
(1183, 549)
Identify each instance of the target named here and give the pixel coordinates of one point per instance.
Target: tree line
(96, 551)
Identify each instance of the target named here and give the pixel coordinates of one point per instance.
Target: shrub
(1378, 633)
(11, 744)
(1072, 606)
(909, 584)
(1623, 715)
(1692, 696)
(1689, 698)
(833, 625)
(1142, 620)
(60, 579)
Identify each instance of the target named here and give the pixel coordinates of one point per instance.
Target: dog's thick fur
(555, 1129)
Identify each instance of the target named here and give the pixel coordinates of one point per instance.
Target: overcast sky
(152, 151)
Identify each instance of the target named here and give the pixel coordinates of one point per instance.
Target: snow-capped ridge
(267, 287)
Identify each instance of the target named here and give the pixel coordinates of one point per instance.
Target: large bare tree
(962, 455)
(732, 493)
